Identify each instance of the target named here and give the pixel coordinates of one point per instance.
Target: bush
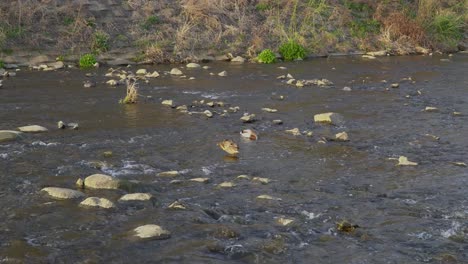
(266, 56)
(291, 50)
(87, 61)
(447, 28)
(100, 42)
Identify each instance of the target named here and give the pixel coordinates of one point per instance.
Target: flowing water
(416, 214)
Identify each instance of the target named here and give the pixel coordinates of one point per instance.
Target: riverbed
(401, 214)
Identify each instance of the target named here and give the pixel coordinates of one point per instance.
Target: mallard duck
(249, 133)
(229, 146)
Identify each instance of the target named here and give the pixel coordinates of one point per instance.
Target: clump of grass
(87, 61)
(150, 22)
(362, 28)
(100, 42)
(132, 93)
(292, 50)
(447, 28)
(262, 7)
(266, 56)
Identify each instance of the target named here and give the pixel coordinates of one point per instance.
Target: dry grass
(132, 92)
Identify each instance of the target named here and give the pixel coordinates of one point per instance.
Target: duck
(229, 146)
(249, 133)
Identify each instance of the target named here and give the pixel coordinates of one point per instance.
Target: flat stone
(32, 129)
(226, 185)
(63, 193)
(200, 180)
(176, 71)
(342, 136)
(268, 197)
(168, 103)
(222, 74)
(101, 181)
(7, 135)
(136, 197)
(294, 131)
(151, 232)
(97, 202)
(193, 65)
(168, 174)
(403, 161)
(330, 118)
(261, 180)
(269, 110)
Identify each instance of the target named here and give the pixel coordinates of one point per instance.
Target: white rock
(177, 205)
(152, 232)
(261, 180)
(269, 110)
(200, 180)
(112, 82)
(101, 181)
(97, 202)
(154, 74)
(268, 197)
(368, 57)
(238, 59)
(342, 136)
(226, 185)
(395, 85)
(168, 174)
(246, 118)
(193, 65)
(208, 113)
(331, 118)
(168, 103)
(141, 72)
(431, 109)
(284, 221)
(7, 135)
(289, 76)
(63, 193)
(32, 129)
(277, 121)
(294, 131)
(403, 161)
(136, 197)
(347, 89)
(176, 71)
(222, 74)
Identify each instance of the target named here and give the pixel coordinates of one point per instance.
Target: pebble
(169, 103)
(193, 65)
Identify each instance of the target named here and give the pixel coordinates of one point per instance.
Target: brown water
(405, 214)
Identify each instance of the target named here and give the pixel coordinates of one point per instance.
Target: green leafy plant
(292, 50)
(447, 28)
(87, 61)
(150, 22)
(100, 42)
(266, 56)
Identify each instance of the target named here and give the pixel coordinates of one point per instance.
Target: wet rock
(243, 177)
(101, 181)
(249, 134)
(248, 118)
(80, 183)
(57, 65)
(229, 146)
(208, 113)
(225, 232)
(300, 84)
(88, 84)
(141, 72)
(7, 135)
(151, 232)
(377, 53)
(63, 193)
(330, 118)
(135, 197)
(368, 57)
(97, 202)
(261, 180)
(200, 180)
(269, 110)
(277, 122)
(193, 65)
(346, 227)
(177, 205)
(342, 136)
(238, 59)
(168, 174)
(347, 89)
(169, 103)
(289, 76)
(284, 221)
(291, 81)
(281, 77)
(459, 164)
(294, 131)
(176, 72)
(268, 197)
(431, 109)
(154, 74)
(308, 133)
(112, 82)
(403, 161)
(395, 85)
(222, 74)
(457, 114)
(32, 129)
(226, 185)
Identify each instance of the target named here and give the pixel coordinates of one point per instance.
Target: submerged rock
(101, 181)
(32, 129)
(135, 197)
(226, 185)
(193, 65)
(141, 72)
(176, 71)
(177, 205)
(284, 221)
(168, 174)
(63, 193)
(342, 136)
(330, 118)
(169, 103)
(403, 161)
(200, 180)
(151, 232)
(7, 135)
(154, 74)
(97, 202)
(294, 131)
(222, 74)
(248, 118)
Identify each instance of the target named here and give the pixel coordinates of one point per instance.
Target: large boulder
(7, 135)
(32, 129)
(330, 118)
(101, 181)
(63, 193)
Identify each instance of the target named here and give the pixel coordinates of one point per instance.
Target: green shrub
(87, 61)
(150, 22)
(262, 7)
(100, 42)
(2, 64)
(266, 56)
(292, 50)
(447, 28)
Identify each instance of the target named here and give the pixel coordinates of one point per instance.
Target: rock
(269, 110)
(73, 126)
(61, 125)
(308, 133)
(141, 72)
(268, 197)
(200, 180)
(177, 205)
(97, 202)
(222, 58)
(168, 103)
(249, 133)
(112, 82)
(176, 71)
(261, 180)
(135, 197)
(246, 118)
(422, 50)
(395, 85)
(222, 74)
(300, 84)
(39, 60)
(281, 77)
(154, 74)
(431, 109)
(208, 113)
(57, 65)
(368, 57)
(347, 89)
(168, 174)
(7, 135)
(330, 118)
(151, 232)
(289, 76)
(206, 67)
(226, 185)
(294, 131)
(291, 81)
(80, 183)
(342, 136)
(63, 193)
(284, 221)
(459, 164)
(457, 114)
(101, 181)
(403, 161)
(238, 59)
(193, 65)
(377, 53)
(243, 177)
(277, 122)
(32, 129)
